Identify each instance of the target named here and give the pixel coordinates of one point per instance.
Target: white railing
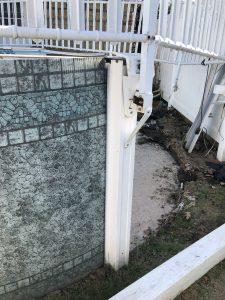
(89, 15)
(193, 23)
(13, 12)
(96, 15)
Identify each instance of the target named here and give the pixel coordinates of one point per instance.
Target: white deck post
(35, 14)
(114, 18)
(148, 52)
(77, 16)
(119, 171)
(114, 15)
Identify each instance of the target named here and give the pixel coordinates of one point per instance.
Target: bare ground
(155, 179)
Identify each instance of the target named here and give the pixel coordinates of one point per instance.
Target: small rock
(213, 187)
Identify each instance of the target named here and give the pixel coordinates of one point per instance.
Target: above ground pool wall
(52, 173)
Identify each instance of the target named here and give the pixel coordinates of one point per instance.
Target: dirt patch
(155, 179)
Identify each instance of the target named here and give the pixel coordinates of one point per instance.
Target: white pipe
(167, 43)
(46, 56)
(213, 62)
(67, 34)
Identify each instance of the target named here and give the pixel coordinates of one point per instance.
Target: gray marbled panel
(22, 76)
(52, 173)
(52, 202)
(54, 106)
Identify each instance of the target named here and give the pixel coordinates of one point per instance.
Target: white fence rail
(193, 23)
(89, 15)
(13, 13)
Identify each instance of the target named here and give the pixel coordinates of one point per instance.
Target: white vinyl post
(77, 16)
(119, 171)
(35, 14)
(114, 17)
(148, 52)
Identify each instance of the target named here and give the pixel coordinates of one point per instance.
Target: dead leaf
(187, 215)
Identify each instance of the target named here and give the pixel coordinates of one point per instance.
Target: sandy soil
(155, 178)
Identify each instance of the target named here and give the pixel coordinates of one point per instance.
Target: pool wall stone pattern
(52, 173)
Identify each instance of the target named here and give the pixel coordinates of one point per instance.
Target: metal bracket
(139, 126)
(130, 85)
(131, 82)
(134, 100)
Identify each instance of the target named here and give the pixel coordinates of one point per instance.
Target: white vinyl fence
(192, 23)
(195, 24)
(88, 15)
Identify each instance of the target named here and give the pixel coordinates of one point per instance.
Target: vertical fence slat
(24, 21)
(163, 14)
(62, 20)
(121, 24)
(219, 33)
(194, 23)
(203, 24)
(207, 24)
(56, 20)
(173, 15)
(15, 18)
(127, 24)
(94, 22)
(184, 20)
(114, 16)
(222, 47)
(133, 23)
(3, 19)
(50, 18)
(198, 24)
(139, 25)
(190, 28)
(87, 20)
(9, 17)
(215, 26)
(100, 22)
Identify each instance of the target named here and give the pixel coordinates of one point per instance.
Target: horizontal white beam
(178, 273)
(68, 34)
(167, 43)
